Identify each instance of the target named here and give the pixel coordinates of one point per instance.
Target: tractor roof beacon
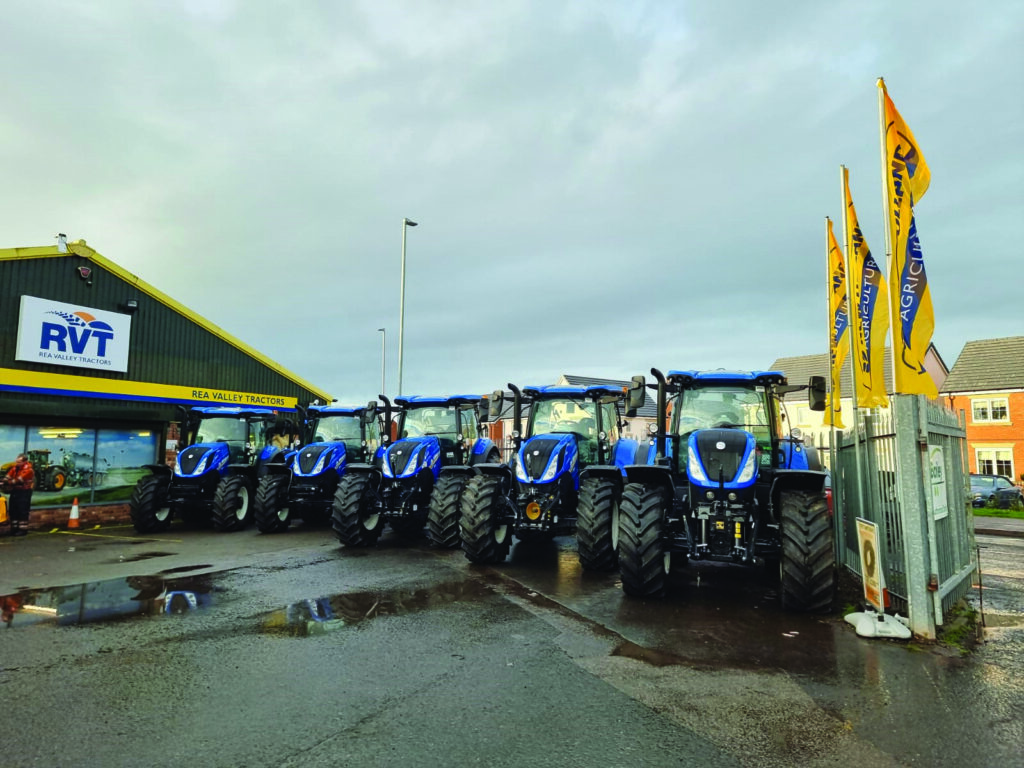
(420, 476)
(222, 455)
(304, 486)
(724, 482)
(564, 477)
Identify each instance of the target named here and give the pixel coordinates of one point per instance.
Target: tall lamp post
(383, 348)
(406, 223)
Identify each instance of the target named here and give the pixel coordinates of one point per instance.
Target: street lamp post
(406, 223)
(383, 348)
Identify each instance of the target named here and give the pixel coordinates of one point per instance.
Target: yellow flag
(838, 334)
(907, 179)
(870, 311)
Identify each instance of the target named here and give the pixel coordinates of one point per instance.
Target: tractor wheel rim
(500, 533)
(370, 521)
(282, 514)
(243, 503)
(615, 527)
(163, 513)
(666, 560)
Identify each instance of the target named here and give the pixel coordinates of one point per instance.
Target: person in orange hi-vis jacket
(20, 481)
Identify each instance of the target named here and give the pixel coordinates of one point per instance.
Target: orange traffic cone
(73, 520)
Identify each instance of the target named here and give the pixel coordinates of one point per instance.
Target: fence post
(914, 513)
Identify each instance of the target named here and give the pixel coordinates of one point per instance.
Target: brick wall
(92, 515)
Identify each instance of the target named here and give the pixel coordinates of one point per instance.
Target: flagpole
(853, 307)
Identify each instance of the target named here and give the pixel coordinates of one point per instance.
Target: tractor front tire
(484, 539)
(271, 510)
(232, 508)
(58, 480)
(644, 561)
(597, 524)
(443, 513)
(356, 520)
(807, 569)
(148, 506)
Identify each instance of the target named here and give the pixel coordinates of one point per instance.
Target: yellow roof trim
(79, 248)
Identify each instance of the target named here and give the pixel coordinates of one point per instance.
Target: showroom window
(91, 465)
(994, 461)
(990, 409)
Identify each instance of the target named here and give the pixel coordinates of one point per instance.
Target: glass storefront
(92, 465)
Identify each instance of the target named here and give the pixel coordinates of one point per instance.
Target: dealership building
(96, 366)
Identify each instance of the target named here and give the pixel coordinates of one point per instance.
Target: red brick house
(987, 384)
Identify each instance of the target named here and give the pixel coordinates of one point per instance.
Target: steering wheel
(723, 420)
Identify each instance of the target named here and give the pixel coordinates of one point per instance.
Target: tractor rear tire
(232, 507)
(356, 520)
(597, 524)
(443, 513)
(807, 569)
(148, 506)
(271, 510)
(644, 560)
(484, 540)
(58, 479)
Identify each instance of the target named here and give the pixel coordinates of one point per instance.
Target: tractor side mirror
(636, 395)
(816, 392)
(494, 405)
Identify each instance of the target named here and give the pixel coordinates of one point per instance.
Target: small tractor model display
(564, 477)
(421, 477)
(727, 483)
(215, 477)
(304, 486)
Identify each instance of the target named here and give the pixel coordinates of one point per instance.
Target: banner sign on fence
(870, 563)
(937, 478)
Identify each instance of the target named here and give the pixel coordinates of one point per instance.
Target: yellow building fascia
(79, 248)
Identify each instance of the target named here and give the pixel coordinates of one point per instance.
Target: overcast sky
(600, 187)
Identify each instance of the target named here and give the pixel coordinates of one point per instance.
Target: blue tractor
(421, 476)
(564, 477)
(214, 478)
(727, 482)
(304, 486)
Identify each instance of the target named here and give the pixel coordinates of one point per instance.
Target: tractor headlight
(748, 469)
(520, 470)
(201, 466)
(319, 467)
(694, 469)
(552, 470)
(387, 466)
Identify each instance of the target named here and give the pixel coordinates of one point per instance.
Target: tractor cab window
(439, 420)
(723, 407)
(222, 429)
(576, 417)
(468, 417)
(610, 421)
(342, 428)
(373, 436)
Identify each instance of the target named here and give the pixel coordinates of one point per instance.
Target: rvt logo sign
(66, 334)
(75, 333)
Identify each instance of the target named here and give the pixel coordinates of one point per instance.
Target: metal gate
(905, 469)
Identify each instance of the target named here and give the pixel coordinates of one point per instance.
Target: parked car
(995, 491)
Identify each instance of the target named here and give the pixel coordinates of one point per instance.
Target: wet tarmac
(717, 661)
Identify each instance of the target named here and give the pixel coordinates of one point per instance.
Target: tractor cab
(434, 432)
(357, 430)
(222, 436)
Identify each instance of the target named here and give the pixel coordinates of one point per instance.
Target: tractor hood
(544, 458)
(201, 458)
(317, 458)
(406, 457)
(721, 458)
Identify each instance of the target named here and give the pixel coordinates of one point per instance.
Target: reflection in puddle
(324, 614)
(106, 600)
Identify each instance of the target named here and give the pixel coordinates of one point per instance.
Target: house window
(990, 409)
(994, 461)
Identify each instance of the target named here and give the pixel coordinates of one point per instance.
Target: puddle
(323, 614)
(185, 568)
(109, 600)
